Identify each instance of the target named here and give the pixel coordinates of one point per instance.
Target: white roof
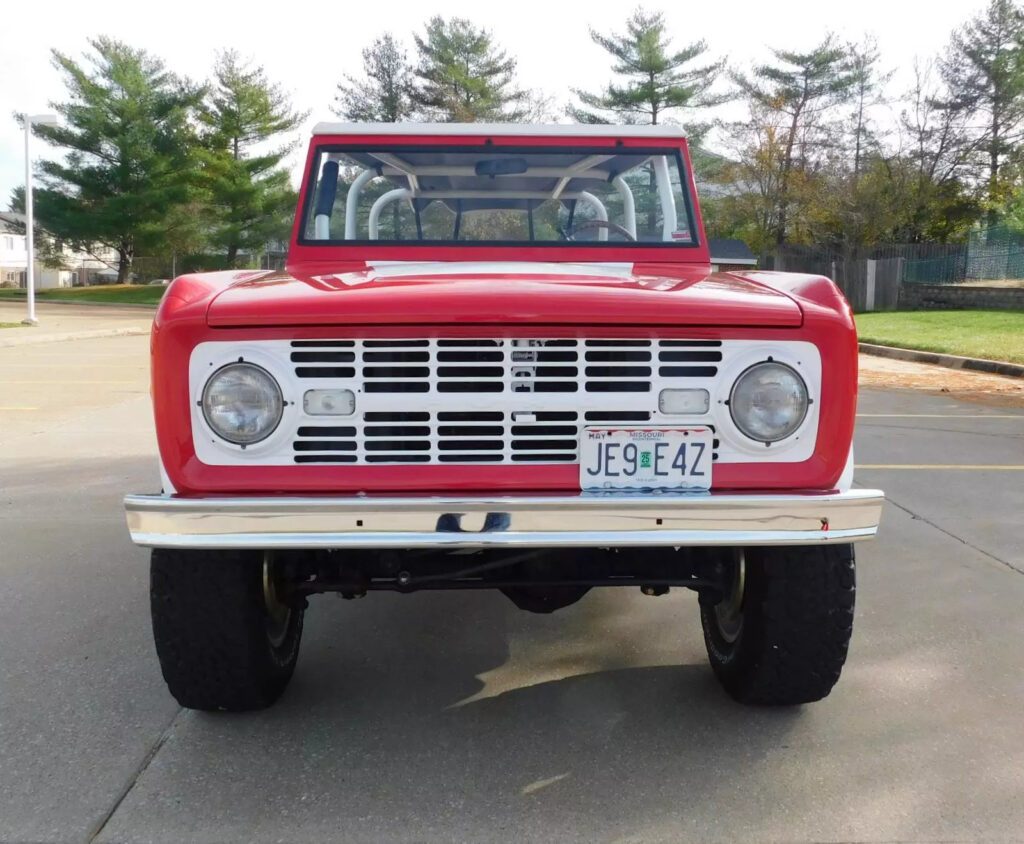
(560, 130)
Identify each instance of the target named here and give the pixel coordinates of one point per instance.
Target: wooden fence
(869, 285)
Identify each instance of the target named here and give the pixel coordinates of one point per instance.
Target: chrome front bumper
(496, 521)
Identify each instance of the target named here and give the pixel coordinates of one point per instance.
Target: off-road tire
(212, 630)
(796, 619)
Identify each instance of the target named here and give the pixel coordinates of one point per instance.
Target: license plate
(646, 458)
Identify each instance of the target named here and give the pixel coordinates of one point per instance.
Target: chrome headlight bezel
(274, 406)
(792, 426)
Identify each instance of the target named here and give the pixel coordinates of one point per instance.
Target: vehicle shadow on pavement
(429, 715)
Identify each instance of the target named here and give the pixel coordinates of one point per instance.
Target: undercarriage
(538, 580)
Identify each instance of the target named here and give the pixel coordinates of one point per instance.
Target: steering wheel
(596, 224)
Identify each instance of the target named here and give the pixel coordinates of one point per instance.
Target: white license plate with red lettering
(646, 458)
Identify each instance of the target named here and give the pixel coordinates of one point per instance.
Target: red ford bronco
(499, 359)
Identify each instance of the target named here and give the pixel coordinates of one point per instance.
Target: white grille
(487, 401)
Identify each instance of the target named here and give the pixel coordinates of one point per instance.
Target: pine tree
(984, 71)
(384, 94)
(656, 78)
(463, 76)
(251, 200)
(130, 162)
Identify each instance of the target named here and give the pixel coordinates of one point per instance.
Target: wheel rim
(729, 612)
(279, 614)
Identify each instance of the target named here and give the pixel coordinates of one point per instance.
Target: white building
(13, 256)
(79, 268)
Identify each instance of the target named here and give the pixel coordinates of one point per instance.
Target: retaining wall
(917, 297)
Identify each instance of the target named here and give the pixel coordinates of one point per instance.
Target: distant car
(164, 281)
(498, 359)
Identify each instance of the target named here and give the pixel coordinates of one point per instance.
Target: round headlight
(242, 403)
(768, 401)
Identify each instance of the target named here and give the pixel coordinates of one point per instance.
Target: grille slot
(396, 387)
(471, 430)
(325, 371)
(323, 431)
(687, 371)
(396, 417)
(396, 357)
(323, 357)
(470, 357)
(690, 356)
(468, 416)
(618, 386)
(618, 356)
(402, 372)
(627, 416)
(324, 445)
(544, 430)
(397, 445)
(397, 431)
(471, 445)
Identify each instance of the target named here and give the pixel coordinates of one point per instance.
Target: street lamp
(30, 121)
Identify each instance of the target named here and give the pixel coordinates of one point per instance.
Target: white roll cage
(392, 165)
(406, 193)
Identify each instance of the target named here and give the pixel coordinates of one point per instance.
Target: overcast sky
(308, 52)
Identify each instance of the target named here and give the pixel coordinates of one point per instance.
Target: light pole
(30, 280)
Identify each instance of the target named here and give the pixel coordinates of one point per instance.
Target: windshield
(511, 196)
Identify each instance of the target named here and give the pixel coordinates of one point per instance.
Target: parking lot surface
(454, 716)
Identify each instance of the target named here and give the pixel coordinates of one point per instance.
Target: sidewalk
(71, 322)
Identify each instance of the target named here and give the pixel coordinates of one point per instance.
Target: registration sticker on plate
(646, 458)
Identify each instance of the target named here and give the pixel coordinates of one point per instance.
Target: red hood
(440, 293)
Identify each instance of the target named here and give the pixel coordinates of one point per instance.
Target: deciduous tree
(936, 146)
(800, 88)
(867, 91)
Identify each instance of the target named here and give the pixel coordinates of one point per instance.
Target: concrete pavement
(454, 716)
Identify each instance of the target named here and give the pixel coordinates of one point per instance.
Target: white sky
(307, 54)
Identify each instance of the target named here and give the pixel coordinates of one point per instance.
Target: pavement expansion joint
(147, 760)
(1006, 563)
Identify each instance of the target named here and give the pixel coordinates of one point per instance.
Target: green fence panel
(949, 269)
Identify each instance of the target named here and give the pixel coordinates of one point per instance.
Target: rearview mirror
(501, 167)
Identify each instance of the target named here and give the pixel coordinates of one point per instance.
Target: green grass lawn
(112, 294)
(997, 335)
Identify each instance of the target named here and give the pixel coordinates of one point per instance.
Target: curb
(993, 367)
(28, 340)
